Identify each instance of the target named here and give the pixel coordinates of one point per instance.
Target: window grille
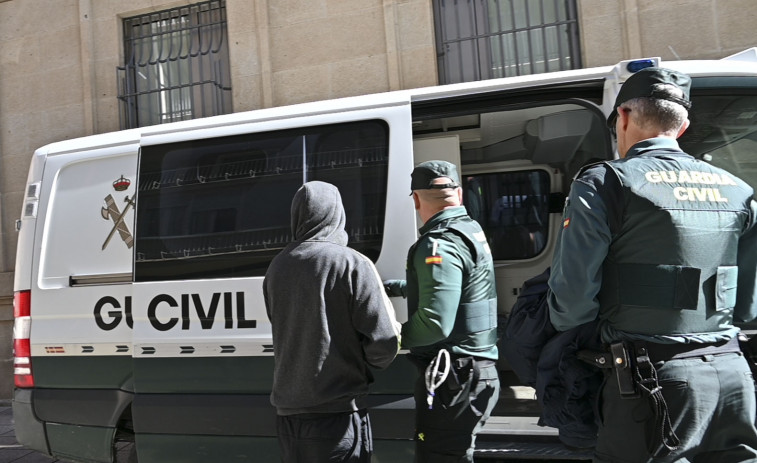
(486, 39)
(176, 65)
(512, 209)
(220, 207)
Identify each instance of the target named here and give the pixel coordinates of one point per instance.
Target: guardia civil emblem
(111, 212)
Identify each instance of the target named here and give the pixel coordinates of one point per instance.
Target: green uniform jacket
(450, 288)
(661, 246)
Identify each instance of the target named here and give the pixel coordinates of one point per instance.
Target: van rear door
(81, 287)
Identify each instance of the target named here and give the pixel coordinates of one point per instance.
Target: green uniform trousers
(711, 401)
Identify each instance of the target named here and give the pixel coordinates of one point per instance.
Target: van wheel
(126, 452)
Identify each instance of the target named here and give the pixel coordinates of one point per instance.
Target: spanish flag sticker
(566, 222)
(434, 260)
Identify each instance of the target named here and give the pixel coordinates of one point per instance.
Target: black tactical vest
(671, 267)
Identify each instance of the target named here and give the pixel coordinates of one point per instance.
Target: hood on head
(318, 213)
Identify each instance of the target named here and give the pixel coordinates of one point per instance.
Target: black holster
(460, 383)
(661, 438)
(636, 377)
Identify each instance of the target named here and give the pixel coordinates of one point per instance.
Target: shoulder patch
(434, 259)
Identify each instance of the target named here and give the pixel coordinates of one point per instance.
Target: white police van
(141, 253)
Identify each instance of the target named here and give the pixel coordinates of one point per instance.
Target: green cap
(642, 84)
(425, 172)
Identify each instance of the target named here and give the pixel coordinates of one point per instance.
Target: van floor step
(528, 451)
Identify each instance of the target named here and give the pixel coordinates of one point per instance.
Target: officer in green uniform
(452, 327)
(662, 249)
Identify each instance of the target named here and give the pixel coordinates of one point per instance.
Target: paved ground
(10, 450)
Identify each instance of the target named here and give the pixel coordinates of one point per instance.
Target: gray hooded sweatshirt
(330, 316)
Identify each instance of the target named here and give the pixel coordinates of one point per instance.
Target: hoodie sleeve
(373, 317)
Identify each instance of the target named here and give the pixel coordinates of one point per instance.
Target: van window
(513, 210)
(723, 128)
(219, 208)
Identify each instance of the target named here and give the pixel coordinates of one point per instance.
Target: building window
(176, 65)
(486, 39)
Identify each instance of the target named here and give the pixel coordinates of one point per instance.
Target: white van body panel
(77, 241)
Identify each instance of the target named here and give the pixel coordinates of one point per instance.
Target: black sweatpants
(325, 437)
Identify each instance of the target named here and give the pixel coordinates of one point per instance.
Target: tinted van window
(513, 210)
(219, 208)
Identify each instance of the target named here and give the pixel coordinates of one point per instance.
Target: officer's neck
(426, 215)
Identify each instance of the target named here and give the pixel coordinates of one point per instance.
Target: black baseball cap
(425, 172)
(642, 84)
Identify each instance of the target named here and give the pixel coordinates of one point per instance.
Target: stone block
(415, 25)
(681, 7)
(13, 173)
(331, 40)
(108, 40)
(59, 48)
(283, 13)
(247, 91)
(419, 68)
(602, 41)
(242, 16)
(671, 32)
(108, 116)
(335, 7)
(301, 85)
(739, 21)
(59, 87)
(6, 289)
(359, 76)
(19, 56)
(600, 10)
(6, 379)
(244, 53)
(21, 127)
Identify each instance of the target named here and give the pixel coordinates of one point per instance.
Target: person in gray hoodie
(331, 322)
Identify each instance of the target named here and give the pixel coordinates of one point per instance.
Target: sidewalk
(10, 450)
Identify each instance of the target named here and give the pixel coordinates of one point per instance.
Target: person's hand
(395, 288)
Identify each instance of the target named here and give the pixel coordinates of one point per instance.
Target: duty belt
(664, 352)
(619, 355)
(633, 364)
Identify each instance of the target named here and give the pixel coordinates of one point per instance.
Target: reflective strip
(22, 327)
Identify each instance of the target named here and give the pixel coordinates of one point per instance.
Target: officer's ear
(683, 128)
(460, 195)
(416, 200)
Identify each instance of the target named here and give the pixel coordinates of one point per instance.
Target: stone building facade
(58, 61)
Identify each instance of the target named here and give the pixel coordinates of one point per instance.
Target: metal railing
(176, 65)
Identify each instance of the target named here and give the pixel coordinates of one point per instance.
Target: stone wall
(671, 29)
